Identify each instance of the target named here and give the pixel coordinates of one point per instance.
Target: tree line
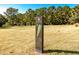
(51, 15)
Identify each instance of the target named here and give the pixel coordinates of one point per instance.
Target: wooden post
(39, 34)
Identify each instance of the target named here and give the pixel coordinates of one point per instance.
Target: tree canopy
(51, 16)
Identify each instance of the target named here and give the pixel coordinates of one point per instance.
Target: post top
(38, 15)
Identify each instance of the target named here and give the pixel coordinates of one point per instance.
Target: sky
(23, 7)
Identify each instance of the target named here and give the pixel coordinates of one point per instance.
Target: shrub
(3, 20)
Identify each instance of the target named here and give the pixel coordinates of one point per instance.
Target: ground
(17, 40)
(58, 40)
(62, 39)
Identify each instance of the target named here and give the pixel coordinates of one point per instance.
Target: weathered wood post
(39, 34)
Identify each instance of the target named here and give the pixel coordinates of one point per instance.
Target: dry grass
(59, 39)
(62, 39)
(17, 40)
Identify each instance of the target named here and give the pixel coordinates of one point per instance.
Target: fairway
(58, 39)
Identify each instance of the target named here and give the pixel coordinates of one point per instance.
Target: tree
(11, 15)
(61, 15)
(43, 12)
(74, 15)
(20, 18)
(51, 14)
(3, 20)
(29, 17)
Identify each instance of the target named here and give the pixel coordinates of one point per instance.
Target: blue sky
(23, 7)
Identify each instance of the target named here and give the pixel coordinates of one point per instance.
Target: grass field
(62, 39)
(58, 39)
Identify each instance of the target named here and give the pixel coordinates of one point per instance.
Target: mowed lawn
(58, 39)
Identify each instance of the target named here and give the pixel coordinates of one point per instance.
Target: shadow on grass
(60, 51)
(5, 27)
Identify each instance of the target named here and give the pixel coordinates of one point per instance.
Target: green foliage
(11, 16)
(51, 16)
(3, 20)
